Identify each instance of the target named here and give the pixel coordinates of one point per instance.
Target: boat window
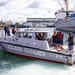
(41, 36)
(18, 34)
(27, 35)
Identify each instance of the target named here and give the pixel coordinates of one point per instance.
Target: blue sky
(19, 10)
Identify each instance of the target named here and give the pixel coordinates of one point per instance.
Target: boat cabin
(38, 35)
(35, 36)
(31, 38)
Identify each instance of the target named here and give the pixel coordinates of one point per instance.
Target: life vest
(54, 36)
(13, 30)
(40, 37)
(60, 35)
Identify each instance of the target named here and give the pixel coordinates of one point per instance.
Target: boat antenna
(60, 4)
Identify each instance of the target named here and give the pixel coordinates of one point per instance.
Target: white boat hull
(38, 53)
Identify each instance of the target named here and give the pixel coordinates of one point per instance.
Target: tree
(17, 23)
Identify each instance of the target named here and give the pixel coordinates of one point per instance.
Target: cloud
(19, 10)
(4, 2)
(34, 4)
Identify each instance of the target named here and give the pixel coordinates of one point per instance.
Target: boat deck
(52, 49)
(64, 50)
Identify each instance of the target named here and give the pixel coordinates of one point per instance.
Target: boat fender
(58, 47)
(67, 60)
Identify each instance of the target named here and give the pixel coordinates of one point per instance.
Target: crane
(67, 5)
(60, 4)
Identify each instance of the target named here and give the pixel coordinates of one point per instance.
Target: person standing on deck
(54, 36)
(60, 37)
(6, 30)
(70, 41)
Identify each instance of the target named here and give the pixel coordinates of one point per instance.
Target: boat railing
(1, 34)
(50, 41)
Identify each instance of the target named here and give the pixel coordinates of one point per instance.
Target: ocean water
(16, 65)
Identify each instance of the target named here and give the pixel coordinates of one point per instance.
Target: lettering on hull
(26, 50)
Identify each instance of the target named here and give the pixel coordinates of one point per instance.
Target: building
(44, 21)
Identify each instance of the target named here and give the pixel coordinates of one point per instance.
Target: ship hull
(68, 25)
(38, 53)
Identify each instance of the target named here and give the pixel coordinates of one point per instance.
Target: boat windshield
(35, 35)
(18, 34)
(27, 35)
(41, 36)
(23, 35)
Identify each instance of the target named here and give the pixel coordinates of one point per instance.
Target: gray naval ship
(26, 43)
(66, 25)
(65, 19)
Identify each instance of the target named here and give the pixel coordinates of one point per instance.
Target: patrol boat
(26, 43)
